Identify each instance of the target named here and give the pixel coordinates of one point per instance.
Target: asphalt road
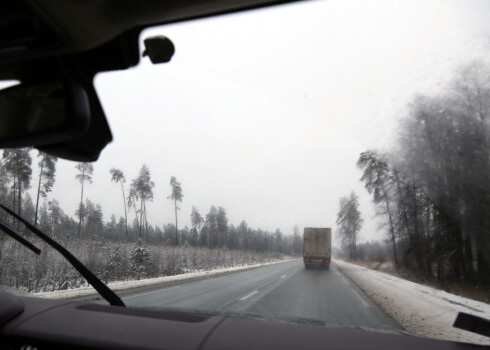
(284, 292)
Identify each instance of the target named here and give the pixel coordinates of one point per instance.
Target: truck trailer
(317, 247)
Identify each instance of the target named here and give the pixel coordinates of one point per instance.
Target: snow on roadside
(420, 309)
(124, 285)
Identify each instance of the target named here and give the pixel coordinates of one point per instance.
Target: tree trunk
(80, 208)
(14, 222)
(392, 229)
(141, 218)
(404, 209)
(136, 215)
(39, 190)
(146, 223)
(125, 211)
(19, 196)
(176, 229)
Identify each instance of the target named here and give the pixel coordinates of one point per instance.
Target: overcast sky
(265, 113)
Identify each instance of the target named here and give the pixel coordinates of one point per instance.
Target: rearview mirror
(37, 114)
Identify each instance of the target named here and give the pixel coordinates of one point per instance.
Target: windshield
(324, 162)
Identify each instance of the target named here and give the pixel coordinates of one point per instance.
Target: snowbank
(124, 285)
(420, 309)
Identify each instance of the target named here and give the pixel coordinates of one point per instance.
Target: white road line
(362, 300)
(343, 279)
(248, 295)
(156, 291)
(283, 276)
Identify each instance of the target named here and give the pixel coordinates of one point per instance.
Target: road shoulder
(419, 309)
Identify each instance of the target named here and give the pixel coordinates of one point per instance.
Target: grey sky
(265, 113)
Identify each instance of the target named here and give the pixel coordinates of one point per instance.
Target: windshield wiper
(104, 291)
(19, 238)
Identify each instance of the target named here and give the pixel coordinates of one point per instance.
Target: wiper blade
(94, 281)
(19, 238)
(472, 323)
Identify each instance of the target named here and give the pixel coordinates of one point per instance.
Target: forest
(432, 189)
(117, 248)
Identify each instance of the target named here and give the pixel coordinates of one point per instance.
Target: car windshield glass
(322, 162)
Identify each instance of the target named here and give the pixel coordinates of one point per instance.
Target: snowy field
(420, 309)
(123, 285)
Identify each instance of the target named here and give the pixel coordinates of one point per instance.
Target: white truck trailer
(317, 247)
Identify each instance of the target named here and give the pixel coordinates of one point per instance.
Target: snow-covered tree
(140, 260)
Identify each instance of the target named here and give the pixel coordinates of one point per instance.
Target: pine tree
(222, 226)
(375, 179)
(85, 171)
(18, 162)
(350, 222)
(118, 176)
(176, 196)
(142, 190)
(47, 170)
(140, 260)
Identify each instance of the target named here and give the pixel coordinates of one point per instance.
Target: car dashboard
(34, 323)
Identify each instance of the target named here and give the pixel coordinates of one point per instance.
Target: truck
(317, 247)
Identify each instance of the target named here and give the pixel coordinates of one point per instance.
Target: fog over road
(283, 291)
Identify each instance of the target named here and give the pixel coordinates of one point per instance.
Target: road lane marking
(362, 300)
(343, 279)
(249, 295)
(283, 276)
(156, 291)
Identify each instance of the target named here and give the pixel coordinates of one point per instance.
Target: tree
(18, 162)
(118, 176)
(140, 260)
(350, 222)
(47, 170)
(211, 226)
(95, 219)
(222, 225)
(375, 177)
(176, 196)
(196, 219)
(297, 241)
(85, 171)
(444, 149)
(142, 190)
